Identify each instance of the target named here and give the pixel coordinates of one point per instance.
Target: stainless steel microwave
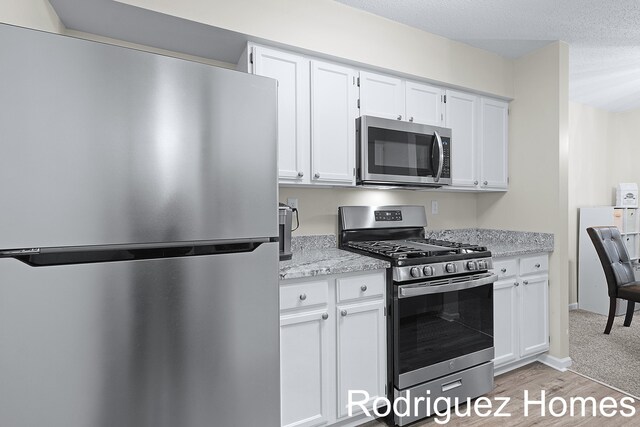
(393, 152)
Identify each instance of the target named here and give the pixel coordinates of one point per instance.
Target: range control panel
(388, 215)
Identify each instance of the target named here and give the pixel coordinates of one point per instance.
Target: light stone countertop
(318, 255)
(318, 262)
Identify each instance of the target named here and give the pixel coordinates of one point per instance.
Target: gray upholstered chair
(617, 270)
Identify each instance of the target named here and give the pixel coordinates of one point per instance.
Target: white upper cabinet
(292, 74)
(461, 116)
(319, 102)
(397, 99)
(494, 119)
(381, 96)
(333, 116)
(424, 104)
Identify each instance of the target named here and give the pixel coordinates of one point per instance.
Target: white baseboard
(573, 306)
(555, 362)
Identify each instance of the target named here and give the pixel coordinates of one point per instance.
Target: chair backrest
(613, 256)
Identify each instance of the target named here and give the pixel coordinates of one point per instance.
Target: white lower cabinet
(304, 371)
(520, 310)
(332, 340)
(361, 351)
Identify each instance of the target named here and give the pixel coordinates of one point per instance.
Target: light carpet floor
(613, 359)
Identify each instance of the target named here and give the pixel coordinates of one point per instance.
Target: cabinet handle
(475, 182)
(300, 174)
(486, 183)
(363, 288)
(525, 282)
(303, 297)
(400, 117)
(325, 316)
(317, 175)
(343, 313)
(504, 270)
(537, 265)
(516, 284)
(411, 119)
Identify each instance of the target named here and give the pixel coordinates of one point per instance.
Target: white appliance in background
(138, 251)
(627, 194)
(592, 285)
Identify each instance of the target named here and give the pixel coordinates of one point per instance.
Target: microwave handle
(440, 156)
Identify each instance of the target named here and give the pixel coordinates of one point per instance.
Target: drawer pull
(525, 282)
(343, 313)
(504, 270)
(516, 284)
(363, 288)
(303, 297)
(538, 265)
(325, 316)
(451, 385)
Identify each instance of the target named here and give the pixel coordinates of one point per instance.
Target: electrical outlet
(434, 207)
(293, 203)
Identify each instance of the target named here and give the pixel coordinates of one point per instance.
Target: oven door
(398, 152)
(441, 326)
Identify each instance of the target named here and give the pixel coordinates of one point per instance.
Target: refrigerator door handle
(40, 257)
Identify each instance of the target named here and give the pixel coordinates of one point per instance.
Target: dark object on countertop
(617, 269)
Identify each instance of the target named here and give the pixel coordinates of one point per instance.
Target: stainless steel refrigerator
(138, 239)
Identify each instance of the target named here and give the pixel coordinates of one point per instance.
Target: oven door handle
(440, 155)
(406, 291)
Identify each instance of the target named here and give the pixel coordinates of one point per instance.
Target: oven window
(438, 327)
(393, 152)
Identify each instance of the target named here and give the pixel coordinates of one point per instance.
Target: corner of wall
(36, 14)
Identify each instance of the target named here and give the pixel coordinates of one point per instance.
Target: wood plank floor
(534, 378)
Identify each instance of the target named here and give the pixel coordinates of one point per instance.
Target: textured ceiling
(604, 36)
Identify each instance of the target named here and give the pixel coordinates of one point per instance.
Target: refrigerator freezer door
(107, 145)
(176, 342)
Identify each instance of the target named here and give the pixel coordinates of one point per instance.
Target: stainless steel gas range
(440, 300)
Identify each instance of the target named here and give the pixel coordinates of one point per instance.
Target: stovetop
(415, 248)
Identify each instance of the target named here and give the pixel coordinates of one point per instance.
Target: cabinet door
(304, 369)
(333, 117)
(460, 116)
(424, 104)
(505, 321)
(493, 144)
(361, 348)
(534, 315)
(381, 96)
(292, 73)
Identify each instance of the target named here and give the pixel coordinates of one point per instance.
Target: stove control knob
(415, 272)
(471, 265)
(428, 271)
(450, 268)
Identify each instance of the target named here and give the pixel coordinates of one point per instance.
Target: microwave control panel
(446, 150)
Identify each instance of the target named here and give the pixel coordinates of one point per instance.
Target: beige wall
(334, 29)
(318, 208)
(590, 183)
(625, 148)
(37, 14)
(537, 199)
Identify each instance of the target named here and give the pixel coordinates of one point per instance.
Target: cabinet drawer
(534, 264)
(305, 294)
(505, 269)
(367, 285)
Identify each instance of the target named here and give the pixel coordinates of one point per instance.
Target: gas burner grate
(414, 248)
